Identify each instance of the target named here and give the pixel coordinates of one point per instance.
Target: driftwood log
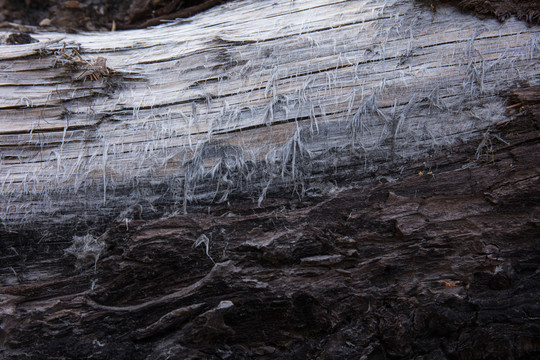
(273, 179)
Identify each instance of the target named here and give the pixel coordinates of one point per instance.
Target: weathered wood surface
(415, 235)
(249, 98)
(430, 266)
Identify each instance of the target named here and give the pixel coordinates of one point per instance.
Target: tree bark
(345, 179)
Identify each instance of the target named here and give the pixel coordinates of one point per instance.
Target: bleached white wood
(246, 97)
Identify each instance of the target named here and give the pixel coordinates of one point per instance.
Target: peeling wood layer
(249, 98)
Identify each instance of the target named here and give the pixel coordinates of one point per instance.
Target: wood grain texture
(432, 266)
(248, 98)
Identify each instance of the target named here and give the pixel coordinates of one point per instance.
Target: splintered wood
(250, 97)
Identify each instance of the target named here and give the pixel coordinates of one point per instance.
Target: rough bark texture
(441, 263)
(102, 15)
(528, 10)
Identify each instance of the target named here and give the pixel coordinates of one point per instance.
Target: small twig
(515, 105)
